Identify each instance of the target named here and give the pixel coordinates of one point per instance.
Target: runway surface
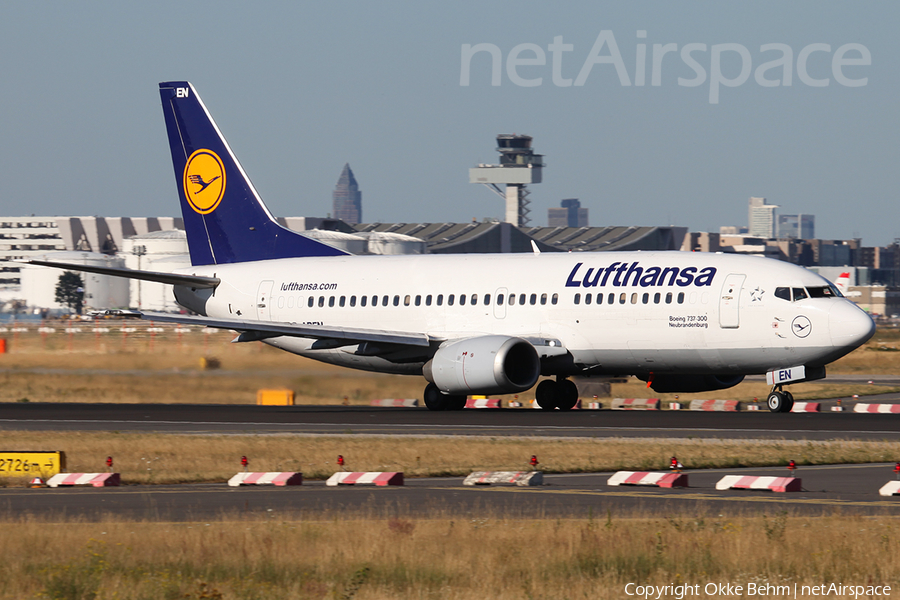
(827, 489)
(843, 489)
(187, 418)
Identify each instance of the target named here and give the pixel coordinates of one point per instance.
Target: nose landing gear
(779, 400)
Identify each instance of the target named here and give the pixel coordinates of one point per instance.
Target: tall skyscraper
(346, 198)
(570, 215)
(762, 218)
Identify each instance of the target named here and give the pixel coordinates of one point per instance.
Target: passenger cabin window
(577, 298)
(533, 299)
(474, 300)
(554, 299)
(611, 299)
(587, 298)
(321, 301)
(428, 300)
(418, 300)
(396, 300)
(331, 302)
(440, 299)
(462, 299)
(487, 299)
(352, 300)
(342, 301)
(668, 297)
(680, 297)
(450, 299)
(384, 300)
(406, 300)
(521, 299)
(499, 299)
(310, 302)
(362, 300)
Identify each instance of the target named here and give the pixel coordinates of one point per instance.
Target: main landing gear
(561, 394)
(435, 400)
(779, 400)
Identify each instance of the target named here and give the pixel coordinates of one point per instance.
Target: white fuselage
(614, 312)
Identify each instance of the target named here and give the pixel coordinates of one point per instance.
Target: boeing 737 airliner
(478, 324)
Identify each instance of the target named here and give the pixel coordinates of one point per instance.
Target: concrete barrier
(635, 404)
(483, 403)
(664, 480)
(749, 482)
(519, 478)
(715, 405)
(94, 479)
(891, 488)
(371, 478)
(876, 408)
(407, 402)
(800, 407)
(270, 478)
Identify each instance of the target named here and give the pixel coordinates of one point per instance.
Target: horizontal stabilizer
(305, 331)
(194, 281)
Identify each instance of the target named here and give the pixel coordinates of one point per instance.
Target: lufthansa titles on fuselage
(619, 274)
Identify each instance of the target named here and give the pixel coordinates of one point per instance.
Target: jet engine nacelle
(664, 384)
(491, 364)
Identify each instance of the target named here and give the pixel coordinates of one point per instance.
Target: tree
(70, 291)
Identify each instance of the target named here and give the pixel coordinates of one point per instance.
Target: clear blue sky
(300, 88)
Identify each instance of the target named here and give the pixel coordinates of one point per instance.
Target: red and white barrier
(806, 407)
(716, 405)
(876, 408)
(519, 478)
(483, 403)
(593, 406)
(749, 482)
(753, 407)
(891, 488)
(837, 409)
(664, 480)
(402, 402)
(674, 405)
(635, 404)
(94, 479)
(270, 478)
(372, 478)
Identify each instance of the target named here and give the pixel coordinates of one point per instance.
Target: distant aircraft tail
(225, 219)
(842, 282)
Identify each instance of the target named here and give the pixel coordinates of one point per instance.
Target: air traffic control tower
(519, 166)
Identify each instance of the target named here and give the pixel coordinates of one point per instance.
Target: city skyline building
(797, 226)
(761, 218)
(570, 214)
(346, 198)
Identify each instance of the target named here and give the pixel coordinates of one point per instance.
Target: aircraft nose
(850, 326)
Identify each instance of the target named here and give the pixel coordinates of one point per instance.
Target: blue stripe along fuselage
(620, 274)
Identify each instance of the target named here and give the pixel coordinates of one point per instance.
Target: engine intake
(491, 364)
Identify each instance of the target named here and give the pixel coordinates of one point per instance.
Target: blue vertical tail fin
(224, 217)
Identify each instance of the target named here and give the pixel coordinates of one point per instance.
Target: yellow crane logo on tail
(204, 181)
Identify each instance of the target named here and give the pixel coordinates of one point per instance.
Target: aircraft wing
(258, 330)
(194, 281)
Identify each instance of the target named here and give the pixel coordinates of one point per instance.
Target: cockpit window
(825, 291)
(783, 293)
(799, 294)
